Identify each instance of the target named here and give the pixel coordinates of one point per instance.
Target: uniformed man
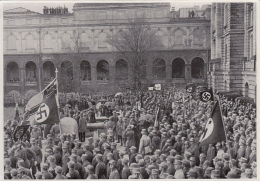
(38, 153)
(90, 172)
(114, 174)
(125, 171)
(100, 170)
(58, 172)
(179, 174)
(72, 174)
(145, 147)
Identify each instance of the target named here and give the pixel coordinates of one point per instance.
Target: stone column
(168, 73)
(188, 72)
(22, 75)
(112, 76)
(93, 74)
(40, 78)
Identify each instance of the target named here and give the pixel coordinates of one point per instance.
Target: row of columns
(112, 75)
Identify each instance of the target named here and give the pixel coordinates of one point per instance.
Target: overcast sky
(38, 7)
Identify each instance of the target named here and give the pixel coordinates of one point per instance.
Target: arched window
(29, 42)
(197, 68)
(13, 72)
(159, 69)
(48, 71)
(85, 70)
(178, 68)
(246, 90)
(31, 73)
(65, 40)
(47, 41)
(102, 40)
(121, 70)
(67, 70)
(11, 42)
(102, 70)
(225, 85)
(178, 37)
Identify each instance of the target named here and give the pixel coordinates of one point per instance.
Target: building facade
(36, 44)
(233, 48)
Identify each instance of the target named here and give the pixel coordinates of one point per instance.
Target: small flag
(207, 95)
(190, 88)
(214, 131)
(19, 132)
(42, 108)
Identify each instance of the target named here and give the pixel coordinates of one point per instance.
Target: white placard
(158, 87)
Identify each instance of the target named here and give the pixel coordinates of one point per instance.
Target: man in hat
(207, 173)
(90, 172)
(178, 145)
(130, 137)
(58, 172)
(211, 153)
(167, 147)
(55, 131)
(241, 151)
(125, 171)
(45, 173)
(185, 167)
(145, 147)
(163, 139)
(77, 165)
(155, 174)
(82, 127)
(215, 174)
(72, 174)
(153, 160)
(163, 170)
(132, 155)
(38, 153)
(179, 174)
(107, 149)
(114, 174)
(192, 174)
(102, 141)
(156, 140)
(143, 172)
(65, 159)
(114, 151)
(14, 174)
(171, 168)
(100, 170)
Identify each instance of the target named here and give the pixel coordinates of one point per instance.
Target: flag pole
(224, 130)
(57, 99)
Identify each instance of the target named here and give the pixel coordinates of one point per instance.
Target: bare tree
(71, 80)
(135, 42)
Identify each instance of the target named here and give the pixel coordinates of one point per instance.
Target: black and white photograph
(129, 90)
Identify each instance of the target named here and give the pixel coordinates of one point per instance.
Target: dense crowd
(139, 142)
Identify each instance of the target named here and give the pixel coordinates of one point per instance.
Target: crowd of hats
(173, 155)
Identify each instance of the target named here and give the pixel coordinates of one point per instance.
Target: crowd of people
(148, 135)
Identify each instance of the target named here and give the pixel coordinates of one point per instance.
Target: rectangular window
(47, 21)
(29, 21)
(251, 46)
(225, 14)
(251, 14)
(64, 20)
(10, 22)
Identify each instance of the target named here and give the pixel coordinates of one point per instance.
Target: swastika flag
(207, 95)
(214, 131)
(42, 108)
